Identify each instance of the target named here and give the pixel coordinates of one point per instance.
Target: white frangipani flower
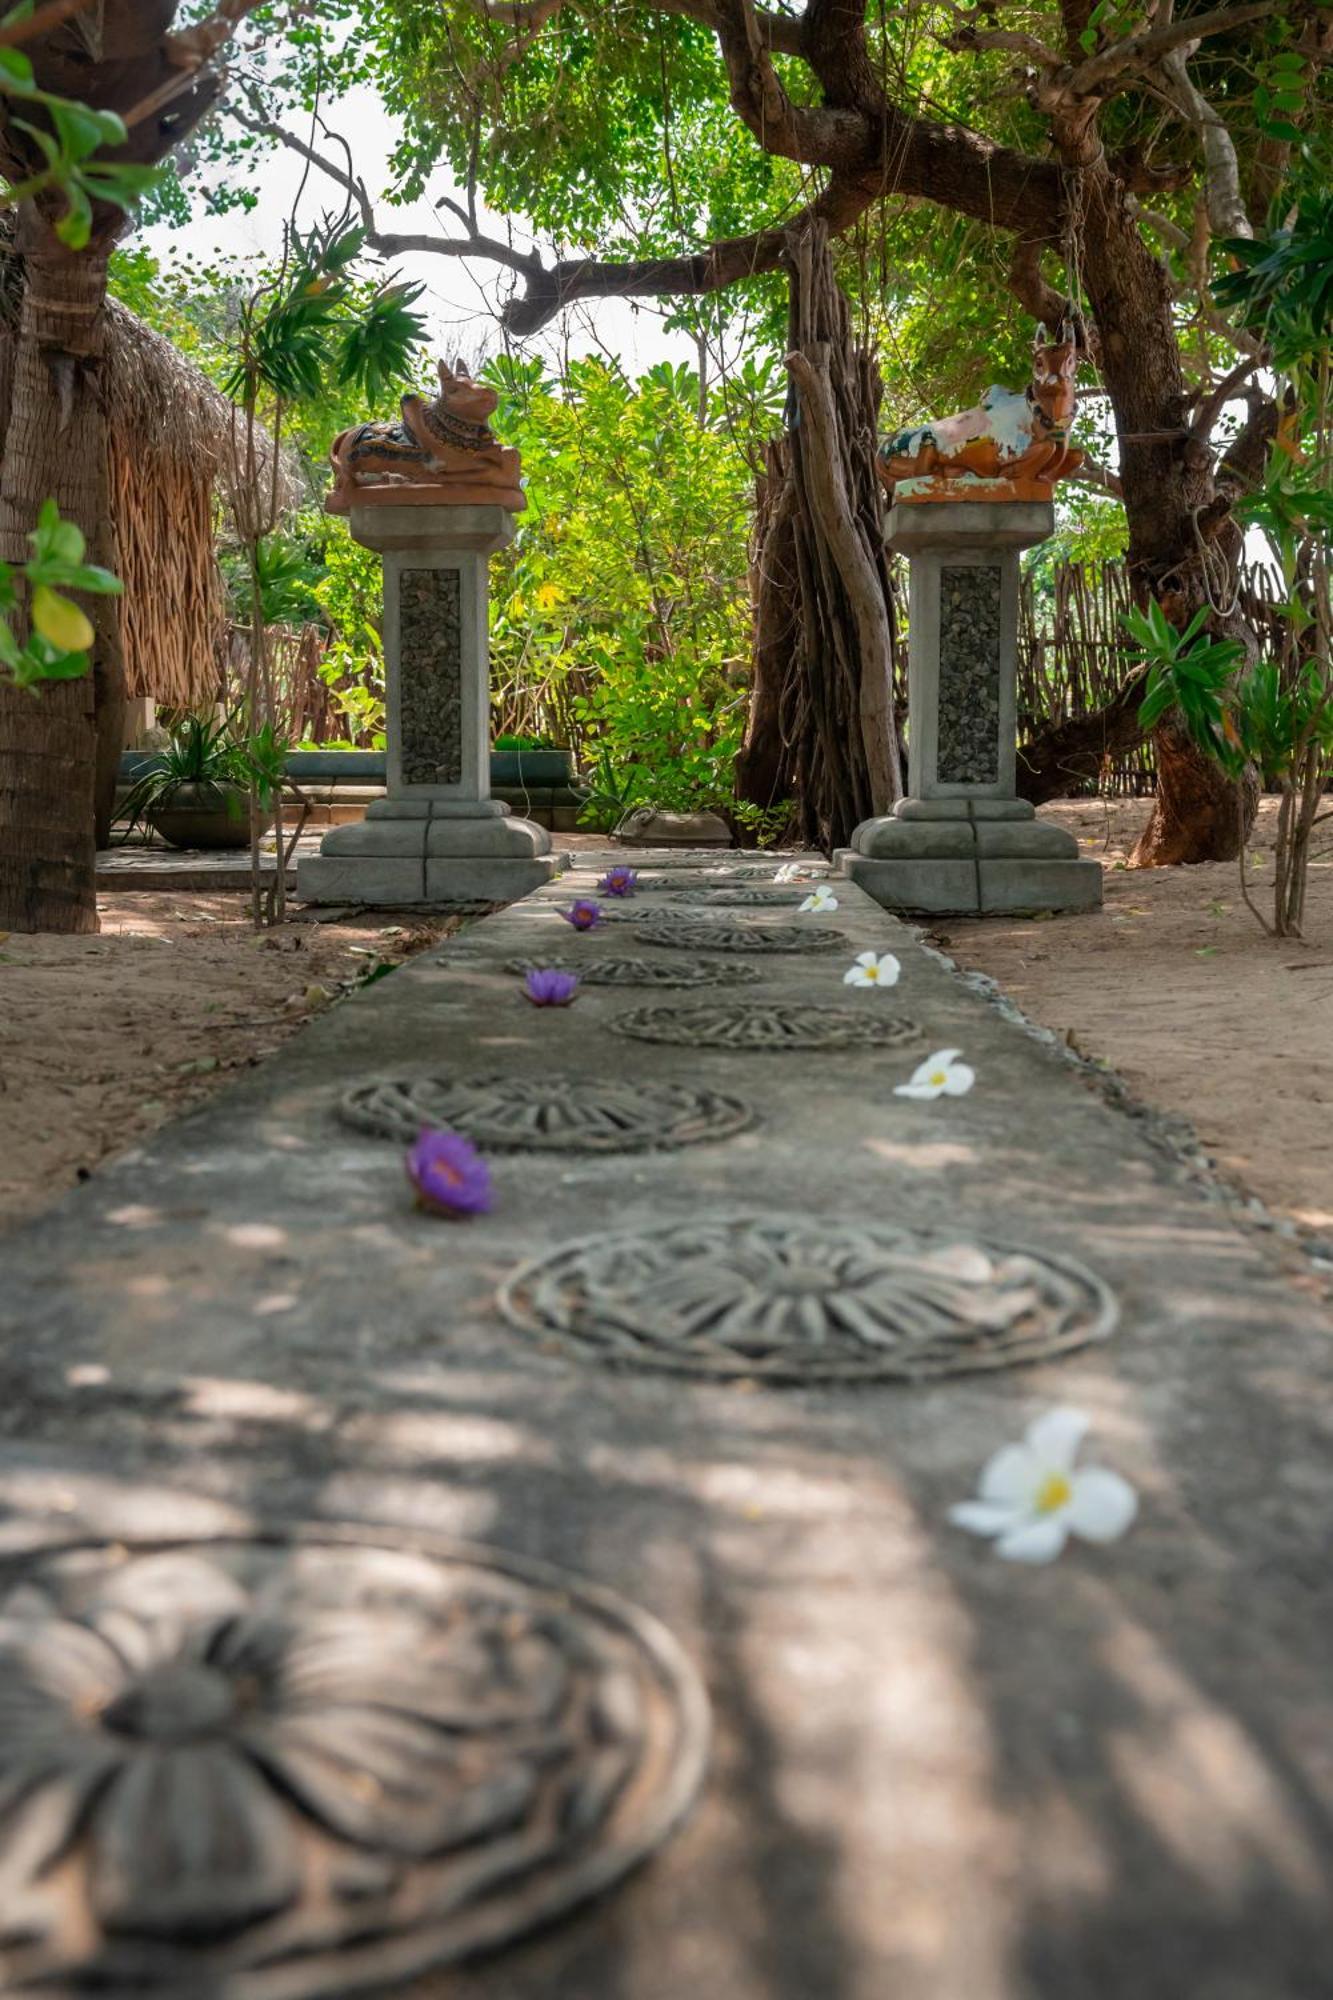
(940, 1075)
(1032, 1497)
(790, 871)
(873, 969)
(819, 899)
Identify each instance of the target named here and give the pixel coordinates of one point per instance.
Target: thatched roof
(168, 434)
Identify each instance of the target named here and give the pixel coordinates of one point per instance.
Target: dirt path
(1176, 987)
(102, 1039)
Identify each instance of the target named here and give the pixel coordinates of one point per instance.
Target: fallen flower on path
(1032, 1497)
(790, 871)
(819, 899)
(940, 1075)
(449, 1175)
(547, 986)
(619, 882)
(873, 969)
(585, 914)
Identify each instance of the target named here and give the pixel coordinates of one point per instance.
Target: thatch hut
(168, 434)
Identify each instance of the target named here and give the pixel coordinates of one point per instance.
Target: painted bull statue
(443, 453)
(1012, 446)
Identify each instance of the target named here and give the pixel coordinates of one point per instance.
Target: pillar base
(969, 857)
(421, 856)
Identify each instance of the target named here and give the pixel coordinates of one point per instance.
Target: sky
(459, 300)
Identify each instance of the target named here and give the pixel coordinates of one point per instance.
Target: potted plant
(195, 791)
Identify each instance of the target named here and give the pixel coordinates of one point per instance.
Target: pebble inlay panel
(646, 971)
(784, 1299)
(317, 1762)
(769, 1026)
(546, 1114)
(695, 933)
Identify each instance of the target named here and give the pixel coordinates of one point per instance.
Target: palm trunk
(53, 448)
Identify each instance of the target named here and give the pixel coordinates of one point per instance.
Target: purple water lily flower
(619, 882)
(547, 987)
(449, 1175)
(585, 914)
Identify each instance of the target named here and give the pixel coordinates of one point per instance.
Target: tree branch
(1143, 50)
(823, 136)
(781, 33)
(1221, 168)
(1215, 400)
(687, 276)
(976, 31)
(389, 243)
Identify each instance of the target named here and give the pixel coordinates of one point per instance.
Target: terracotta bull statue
(443, 453)
(1012, 446)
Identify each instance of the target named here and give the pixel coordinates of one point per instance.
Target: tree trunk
(763, 773)
(1198, 814)
(53, 448)
(822, 722)
(1071, 753)
(1183, 547)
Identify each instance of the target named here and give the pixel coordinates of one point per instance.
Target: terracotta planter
(203, 816)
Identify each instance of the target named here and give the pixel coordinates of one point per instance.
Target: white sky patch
(458, 302)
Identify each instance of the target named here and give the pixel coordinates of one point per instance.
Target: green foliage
(289, 572)
(70, 143)
(620, 614)
(204, 750)
(201, 751)
(57, 645)
(314, 324)
(1190, 673)
(1283, 280)
(349, 596)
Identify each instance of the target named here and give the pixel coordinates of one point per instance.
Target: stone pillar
(963, 842)
(437, 836)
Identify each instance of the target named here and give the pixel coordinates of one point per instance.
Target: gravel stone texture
(969, 697)
(430, 676)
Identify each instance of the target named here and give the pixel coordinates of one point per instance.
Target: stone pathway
(138, 864)
(933, 1775)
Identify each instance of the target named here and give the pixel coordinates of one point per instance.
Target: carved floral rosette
(274, 1767)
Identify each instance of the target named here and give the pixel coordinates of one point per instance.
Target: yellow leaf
(60, 621)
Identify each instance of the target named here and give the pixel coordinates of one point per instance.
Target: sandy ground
(1175, 986)
(104, 1038)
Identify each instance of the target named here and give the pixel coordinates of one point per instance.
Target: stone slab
(927, 839)
(399, 807)
(512, 838)
(1011, 885)
(977, 524)
(936, 1775)
(404, 838)
(963, 806)
(1036, 839)
(378, 882)
(434, 530)
(931, 887)
(474, 879)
